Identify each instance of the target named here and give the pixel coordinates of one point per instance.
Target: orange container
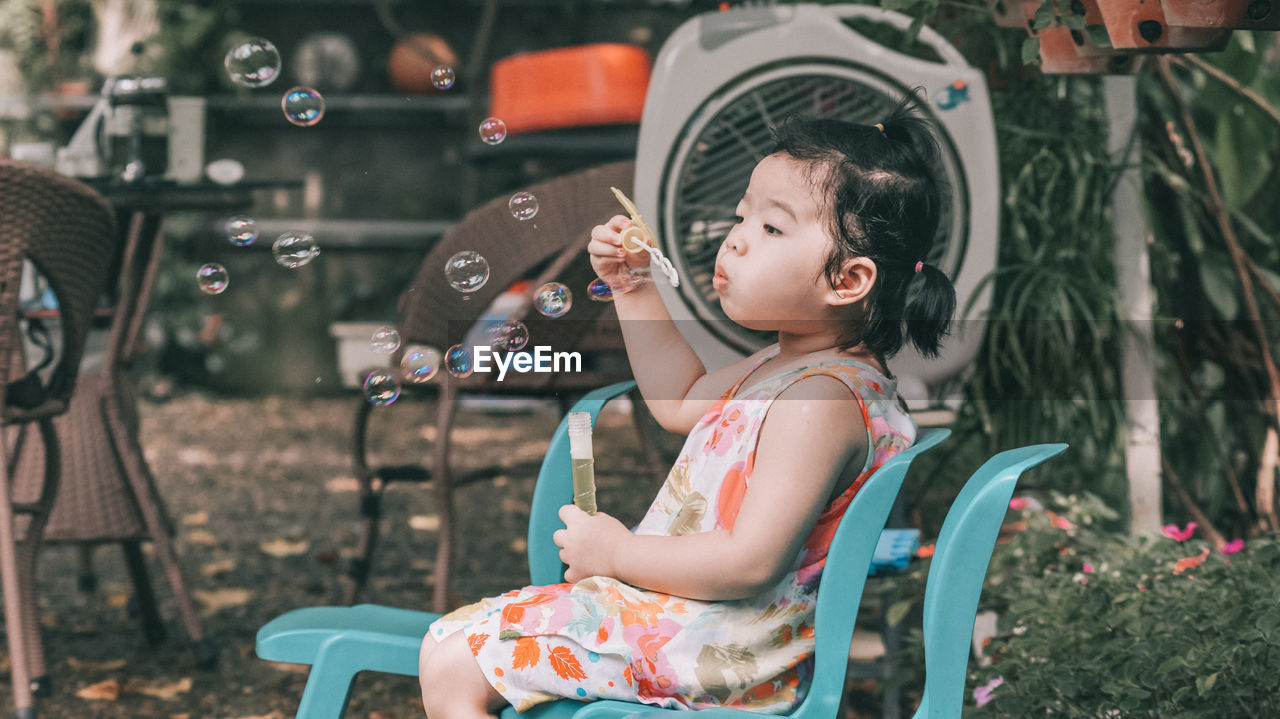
(597, 84)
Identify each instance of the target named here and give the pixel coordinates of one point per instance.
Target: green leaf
(1044, 16)
(1097, 35)
(898, 611)
(1220, 285)
(1030, 50)
(1075, 22)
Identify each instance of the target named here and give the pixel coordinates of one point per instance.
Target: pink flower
(1019, 503)
(982, 694)
(1172, 532)
(1088, 568)
(1232, 547)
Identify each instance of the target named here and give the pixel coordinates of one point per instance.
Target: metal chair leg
(148, 614)
(443, 479)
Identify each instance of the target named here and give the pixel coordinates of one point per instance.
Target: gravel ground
(264, 500)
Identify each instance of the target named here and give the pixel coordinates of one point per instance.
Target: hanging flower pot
(1141, 25)
(1008, 13)
(1234, 14)
(1064, 50)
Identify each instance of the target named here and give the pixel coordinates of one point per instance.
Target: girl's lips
(719, 279)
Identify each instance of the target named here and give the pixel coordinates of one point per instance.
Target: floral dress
(603, 639)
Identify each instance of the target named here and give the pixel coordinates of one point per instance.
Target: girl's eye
(770, 229)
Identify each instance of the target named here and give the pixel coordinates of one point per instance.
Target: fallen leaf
(219, 567)
(202, 536)
(96, 666)
(425, 522)
(342, 484)
(161, 690)
(290, 667)
(219, 599)
(117, 600)
(277, 714)
(196, 518)
(108, 690)
(284, 548)
(380, 715)
(183, 715)
(519, 545)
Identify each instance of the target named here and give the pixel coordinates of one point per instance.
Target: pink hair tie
(919, 265)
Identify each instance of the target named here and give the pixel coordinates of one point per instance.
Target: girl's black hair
(883, 202)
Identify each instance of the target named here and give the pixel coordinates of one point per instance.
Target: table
(107, 493)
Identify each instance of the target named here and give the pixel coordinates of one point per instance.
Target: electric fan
(723, 79)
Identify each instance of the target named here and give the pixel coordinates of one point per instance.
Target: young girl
(710, 600)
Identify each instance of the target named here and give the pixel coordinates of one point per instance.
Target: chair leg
(148, 615)
(14, 611)
(87, 579)
(328, 689)
(149, 502)
(371, 487)
(443, 480)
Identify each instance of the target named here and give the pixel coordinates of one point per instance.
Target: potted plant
(1237, 14)
(1074, 41)
(1141, 25)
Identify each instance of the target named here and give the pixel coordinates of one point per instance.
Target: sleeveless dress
(603, 639)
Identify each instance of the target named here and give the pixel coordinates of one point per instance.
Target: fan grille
(713, 174)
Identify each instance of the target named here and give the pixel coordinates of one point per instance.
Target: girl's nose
(732, 241)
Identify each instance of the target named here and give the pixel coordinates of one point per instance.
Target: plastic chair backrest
(957, 571)
(845, 576)
(67, 230)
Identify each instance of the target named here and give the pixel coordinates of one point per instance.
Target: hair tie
(880, 127)
(919, 265)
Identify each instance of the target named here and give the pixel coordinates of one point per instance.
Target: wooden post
(1133, 280)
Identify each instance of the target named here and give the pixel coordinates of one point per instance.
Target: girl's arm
(808, 441)
(675, 385)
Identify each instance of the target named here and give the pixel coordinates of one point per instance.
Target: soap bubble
(385, 340)
(553, 299)
(302, 106)
(599, 290)
(295, 249)
(212, 278)
(467, 271)
(241, 230)
(493, 130)
(511, 335)
(523, 205)
(443, 77)
(381, 387)
(420, 363)
(253, 63)
(457, 359)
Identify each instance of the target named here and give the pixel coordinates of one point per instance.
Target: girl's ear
(854, 283)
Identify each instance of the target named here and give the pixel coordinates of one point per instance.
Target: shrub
(1098, 624)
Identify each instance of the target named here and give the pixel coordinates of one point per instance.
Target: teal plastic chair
(339, 642)
(956, 574)
(957, 571)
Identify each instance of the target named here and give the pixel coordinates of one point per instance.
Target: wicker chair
(67, 232)
(108, 494)
(552, 246)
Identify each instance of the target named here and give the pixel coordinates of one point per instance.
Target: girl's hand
(588, 543)
(608, 258)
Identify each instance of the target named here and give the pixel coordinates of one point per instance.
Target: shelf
(351, 234)
(345, 103)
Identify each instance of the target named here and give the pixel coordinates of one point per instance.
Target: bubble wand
(583, 461)
(639, 237)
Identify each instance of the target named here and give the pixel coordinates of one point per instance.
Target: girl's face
(769, 270)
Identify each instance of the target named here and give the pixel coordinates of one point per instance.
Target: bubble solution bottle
(583, 460)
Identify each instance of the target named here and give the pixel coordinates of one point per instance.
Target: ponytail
(930, 306)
